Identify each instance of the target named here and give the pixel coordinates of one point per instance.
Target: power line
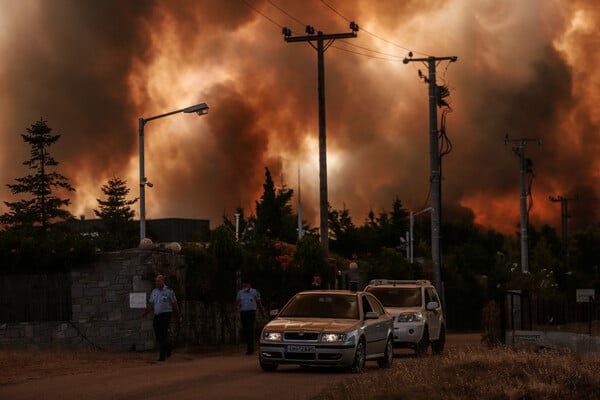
(369, 55)
(390, 57)
(263, 14)
(302, 24)
(371, 33)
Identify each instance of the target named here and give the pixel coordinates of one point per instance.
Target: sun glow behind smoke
(527, 69)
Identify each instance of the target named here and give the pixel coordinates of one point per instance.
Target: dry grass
(496, 374)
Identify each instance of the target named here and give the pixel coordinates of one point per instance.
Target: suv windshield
(397, 296)
(321, 306)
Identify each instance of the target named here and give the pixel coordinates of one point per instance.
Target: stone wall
(102, 318)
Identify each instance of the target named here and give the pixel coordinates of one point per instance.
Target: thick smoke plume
(91, 69)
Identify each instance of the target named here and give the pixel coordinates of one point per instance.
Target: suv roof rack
(376, 282)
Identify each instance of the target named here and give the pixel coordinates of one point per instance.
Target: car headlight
(333, 337)
(410, 317)
(272, 336)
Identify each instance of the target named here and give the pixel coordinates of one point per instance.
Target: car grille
(301, 336)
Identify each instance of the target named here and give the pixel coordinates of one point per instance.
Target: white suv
(417, 312)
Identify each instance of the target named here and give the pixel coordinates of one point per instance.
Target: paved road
(221, 377)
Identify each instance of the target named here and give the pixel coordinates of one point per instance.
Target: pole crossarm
(320, 36)
(430, 59)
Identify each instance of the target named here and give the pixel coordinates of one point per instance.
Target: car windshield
(313, 305)
(397, 296)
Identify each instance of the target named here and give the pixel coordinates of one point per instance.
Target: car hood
(395, 311)
(312, 324)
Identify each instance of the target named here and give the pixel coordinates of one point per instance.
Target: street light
(199, 109)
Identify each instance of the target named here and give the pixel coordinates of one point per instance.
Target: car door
(434, 316)
(376, 330)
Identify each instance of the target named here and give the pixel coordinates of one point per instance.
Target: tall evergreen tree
(117, 215)
(274, 214)
(44, 206)
(115, 211)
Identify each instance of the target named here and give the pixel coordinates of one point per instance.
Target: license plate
(293, 348)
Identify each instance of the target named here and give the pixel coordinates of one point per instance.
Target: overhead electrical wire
(445, 143)
(388, 56)
(369, 32)
(261, 13)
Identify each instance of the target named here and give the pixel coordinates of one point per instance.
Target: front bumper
(329, 355)
(408, 334)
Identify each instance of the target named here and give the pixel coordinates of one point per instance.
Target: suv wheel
(359, 358)
(421, 347)
(437, 346)
(388, 356)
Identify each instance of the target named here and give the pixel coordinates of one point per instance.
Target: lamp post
(199, 109)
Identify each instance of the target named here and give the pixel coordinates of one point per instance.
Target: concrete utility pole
(435, 165)
(563, 218)
(524, 168)
(321, 46)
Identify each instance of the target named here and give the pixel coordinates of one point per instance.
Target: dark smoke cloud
(92, 68)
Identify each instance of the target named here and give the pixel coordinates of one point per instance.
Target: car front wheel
(267, 366)
(437, 346)
(359, 359)
(421, 347)
(388, 355)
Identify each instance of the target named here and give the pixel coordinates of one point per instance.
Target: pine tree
(115, 210)
(44, 207)
(116, 214)
(274, 214)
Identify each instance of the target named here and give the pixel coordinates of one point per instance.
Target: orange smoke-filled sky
(92, 68)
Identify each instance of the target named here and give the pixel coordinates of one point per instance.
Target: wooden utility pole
(320, 38)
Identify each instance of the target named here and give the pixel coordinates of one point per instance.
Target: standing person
(163, 301)
(247, 301)
(316, 283)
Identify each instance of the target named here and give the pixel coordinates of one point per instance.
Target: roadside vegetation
(494, 373)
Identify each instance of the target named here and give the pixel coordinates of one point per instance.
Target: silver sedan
(335, 328)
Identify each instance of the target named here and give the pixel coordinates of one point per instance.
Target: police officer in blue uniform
(248, 301)
(163, 301)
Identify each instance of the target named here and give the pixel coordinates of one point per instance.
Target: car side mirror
(432, 305)
(273, 313)
(371, 315)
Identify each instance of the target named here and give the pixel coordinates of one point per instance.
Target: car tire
(267, 367)
(388, 355)
(423, 344)
(358, 365)
(437, 346)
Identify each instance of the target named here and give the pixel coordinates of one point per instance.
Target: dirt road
(224, 376)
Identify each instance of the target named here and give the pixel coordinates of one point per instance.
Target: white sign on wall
(137, 300)
(583, 295)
